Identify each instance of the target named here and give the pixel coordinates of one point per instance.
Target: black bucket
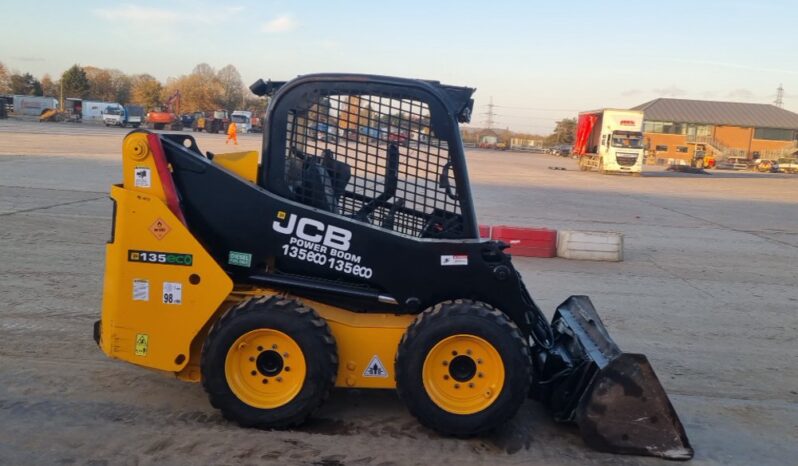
(614, 397)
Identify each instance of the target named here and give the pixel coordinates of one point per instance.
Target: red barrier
(527, 242)
(484, 231)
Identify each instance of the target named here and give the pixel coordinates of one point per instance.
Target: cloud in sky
(671, 91)
(282, 23)
(141, 15)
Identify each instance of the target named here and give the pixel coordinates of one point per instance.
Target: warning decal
(142, 344)
(141, 290)
(142, 177)
(375, 368)
(454, 260)
(159, 229)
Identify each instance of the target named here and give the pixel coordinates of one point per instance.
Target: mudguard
(614, 397)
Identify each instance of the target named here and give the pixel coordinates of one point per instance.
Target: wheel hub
(269, 363)
(462, 368)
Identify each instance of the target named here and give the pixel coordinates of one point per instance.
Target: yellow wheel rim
(463, 374)
(265, 368)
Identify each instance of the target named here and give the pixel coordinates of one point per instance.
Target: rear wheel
(463, 368)
(269, 362)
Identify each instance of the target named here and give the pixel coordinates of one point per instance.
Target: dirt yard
(708, 290)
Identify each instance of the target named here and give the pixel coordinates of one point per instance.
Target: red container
(484, 231)
(527, 242)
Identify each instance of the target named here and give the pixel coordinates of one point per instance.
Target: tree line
(204, 89)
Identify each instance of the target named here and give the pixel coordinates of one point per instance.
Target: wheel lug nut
(279, 379)
(480, 375)
(254, 373)
(260, 348)
(285, 355)
(468, 352)
(242, 346)
(251, 359)
(471, 385)
(445, 363)
(445, 377)
(454, 353)
(274, 346)
(287, 369)
(479, 360)
(265, 381)
(457, 385)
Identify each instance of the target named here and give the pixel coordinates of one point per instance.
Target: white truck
(610, 141)
(93, 110)
(243, 120)
(129, 115)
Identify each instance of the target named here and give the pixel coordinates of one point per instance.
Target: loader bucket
(614, 397)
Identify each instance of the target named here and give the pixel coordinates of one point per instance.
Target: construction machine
(326, 262)
(163, 117)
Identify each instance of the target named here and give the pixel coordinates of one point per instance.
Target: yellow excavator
(330, 262)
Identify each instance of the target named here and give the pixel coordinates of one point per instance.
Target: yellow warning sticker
(142, 344)
(281, 215)
(159, 229)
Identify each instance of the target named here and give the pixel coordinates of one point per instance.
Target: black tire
(299, 322)
(457, 318)
(159, 126)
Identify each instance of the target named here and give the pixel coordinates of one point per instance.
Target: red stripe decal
(166, 177)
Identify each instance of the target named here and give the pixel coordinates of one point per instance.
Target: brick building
(676, 128)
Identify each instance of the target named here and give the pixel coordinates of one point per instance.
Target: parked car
(786, 165)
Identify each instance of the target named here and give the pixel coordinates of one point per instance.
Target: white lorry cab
(610, 141)
(243, 120)
(93, 110)
(129, 115)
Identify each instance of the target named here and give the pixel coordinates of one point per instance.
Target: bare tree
(232, 88)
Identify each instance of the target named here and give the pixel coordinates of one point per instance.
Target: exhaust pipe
(614, 397)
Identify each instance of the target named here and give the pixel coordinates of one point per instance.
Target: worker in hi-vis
(232, 134)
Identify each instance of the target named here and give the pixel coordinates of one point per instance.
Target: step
(590, 245)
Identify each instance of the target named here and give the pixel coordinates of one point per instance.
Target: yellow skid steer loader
(344, 257)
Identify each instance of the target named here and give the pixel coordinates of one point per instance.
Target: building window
(774, 134)
(682, 149)
(664, 127)
(661, 148)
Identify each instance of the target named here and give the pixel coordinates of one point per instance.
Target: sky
(537, 61)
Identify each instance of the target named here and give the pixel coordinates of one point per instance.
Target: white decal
(454, 260)
(334, 237)
(375, 368)
(142, 177)
(172, 293)
(325, 245)
(303, 223)
(141, 290)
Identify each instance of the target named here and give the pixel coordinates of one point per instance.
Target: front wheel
(269, 362)
(463, 368)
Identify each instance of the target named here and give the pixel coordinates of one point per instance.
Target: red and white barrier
(569, 244)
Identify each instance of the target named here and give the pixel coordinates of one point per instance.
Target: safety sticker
(375, 368)
(142, 177)
(142, 344)
(242, 259)
(159, 229)
(454, 260)
(172, 293)
(141, 290)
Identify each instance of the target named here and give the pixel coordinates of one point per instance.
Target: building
(677, 128)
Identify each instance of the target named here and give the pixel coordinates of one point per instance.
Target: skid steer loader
(343, 258)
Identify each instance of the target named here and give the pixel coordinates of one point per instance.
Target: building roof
(719, 113)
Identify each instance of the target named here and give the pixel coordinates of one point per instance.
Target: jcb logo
(314, 231)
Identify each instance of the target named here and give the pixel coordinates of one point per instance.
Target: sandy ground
(708, 290)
